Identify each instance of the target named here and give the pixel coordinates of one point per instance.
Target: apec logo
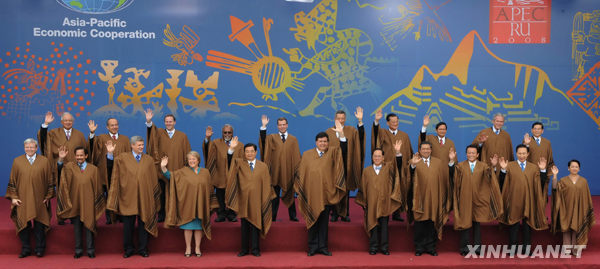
(95, 6)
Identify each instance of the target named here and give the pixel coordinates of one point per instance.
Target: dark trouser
(249, 231)
(39, 234)
(223, 212)
(107, 213)
(89, 236)
(128, 227)
(334, 212)
(317, 233)
(425, 236)
(513, 235)
(379, 230)
(161, 212)
(465, 237)
(275, 205)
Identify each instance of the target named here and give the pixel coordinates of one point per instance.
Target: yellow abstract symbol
(185, 43)
(586, 42)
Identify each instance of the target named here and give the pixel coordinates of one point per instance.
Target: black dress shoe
(232, 219)
(325, 252)
(397, 218)
(144, 254)
(77, 255)
(220, 220)
(160, 219)
(108, 222)
(310, 254)
(432, 253)
(24, 254)
(294, 219)
(242, 253)
(372, 252)
(418, 253)
(333, 219)
(61, 223)
(257, 254)
(464, 253)
(39, 254)
(346, 219)
(385, 252)
(91, 255)
(127, 254)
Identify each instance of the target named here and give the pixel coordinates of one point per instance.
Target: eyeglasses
(228, 132)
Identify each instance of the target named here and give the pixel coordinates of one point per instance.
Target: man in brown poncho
(524, 194)
(541, 147)
(428, 187)
(494, 141)
(134, 193)
(166, 142)
(80, 198)
(355, 158)
(65, 136)
(215, 160)
(320, 183)
(281, 153)
(380, 194)
(30, 188)
(440, 144)
(476, 198)
(386, 139)
(98, 151)
(249, 193)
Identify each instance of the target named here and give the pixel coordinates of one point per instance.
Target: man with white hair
(494, 141)
(65, 136)
(30, 188)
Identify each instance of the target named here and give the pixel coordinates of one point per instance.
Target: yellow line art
(584, 42)
(527, 112)
(369, 5)
(406, 106)
(478, 91)
(260, 106)
(502, 99)
(520, 105)
(465, 102)
(463, 94)
(403, 113)
(475, 115)
(427, 100)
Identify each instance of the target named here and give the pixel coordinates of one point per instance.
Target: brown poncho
(134, 189)
(192, 195)
(57, 138)
(355, 157)
(319, 181)
(98, 152)
(216, 160)
(30, 183)
(438, 151)
(379, 195)
(524, 197)
(430, 191)
(543, 150)
(281, 158)
(249, 193)
(477, 195)
(495, 144)
(385, 140)
(572, 208)
(80, 194)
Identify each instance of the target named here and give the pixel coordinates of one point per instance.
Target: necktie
(80, 167)
(320, 154)
(227, 142)
(394, 133)
(68, 135)
(31, 160)
(497, 132)
(137, 158)
(251, 166)
(283, 137)
(523, 166)
(441, 142)
(170, 134)
(538, 141)
(425, 160)
(114, 137)
(472, 167)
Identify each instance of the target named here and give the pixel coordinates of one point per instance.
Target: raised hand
(62, 153)
(265, 121)
(110, 148)
(494, 160)
(359, 115)
(49, 118)
(503, 163)
(554, 170)
(163, 163)
(482, 138)
(526, 139)
(209, 132)
(234, 142)
(425, 120)
(398, 146)
(92, 126)
(338, 129)
(415, 159)
(378, 115)
(542, 163)
(149, 115)
(452, 154)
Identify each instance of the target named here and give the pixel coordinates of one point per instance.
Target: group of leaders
(111, 173)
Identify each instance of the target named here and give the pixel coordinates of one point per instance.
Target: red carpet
(285, 247)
